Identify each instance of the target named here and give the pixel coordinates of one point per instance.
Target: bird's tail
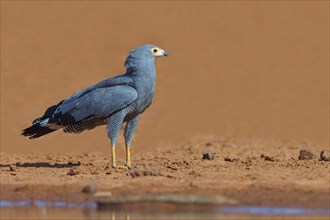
(38, 128)
(43, 125)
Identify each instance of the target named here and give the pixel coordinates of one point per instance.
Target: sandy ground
(251, 172)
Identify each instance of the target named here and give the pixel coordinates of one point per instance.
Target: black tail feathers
(36, 131)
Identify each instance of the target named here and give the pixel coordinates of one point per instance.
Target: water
(38, 203)
(273, 210)
(89, 210)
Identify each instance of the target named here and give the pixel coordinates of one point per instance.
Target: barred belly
(78, 127)
(84, 125)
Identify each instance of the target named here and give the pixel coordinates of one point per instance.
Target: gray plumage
(112, 101)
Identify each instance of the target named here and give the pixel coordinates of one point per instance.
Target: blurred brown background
(243, 69)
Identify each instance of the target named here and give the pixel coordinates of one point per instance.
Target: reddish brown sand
(254, 71)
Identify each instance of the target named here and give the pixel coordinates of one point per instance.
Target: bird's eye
(155, 50)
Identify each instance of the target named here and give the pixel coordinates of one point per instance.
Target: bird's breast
(145, 87)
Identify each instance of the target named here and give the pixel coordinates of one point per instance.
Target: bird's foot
(128, 165)
(122, 167)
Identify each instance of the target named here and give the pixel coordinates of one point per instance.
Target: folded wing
(85, 108)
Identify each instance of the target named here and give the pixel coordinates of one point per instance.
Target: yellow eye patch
(158, 52)
(155, 51)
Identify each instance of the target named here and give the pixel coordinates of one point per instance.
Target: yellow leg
(128, 156)
(113, 156)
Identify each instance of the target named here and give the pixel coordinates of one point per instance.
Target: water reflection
(89, 211)
(39, 203)
(156, 211)
(273, 210)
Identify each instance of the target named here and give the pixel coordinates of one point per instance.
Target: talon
(128, 165)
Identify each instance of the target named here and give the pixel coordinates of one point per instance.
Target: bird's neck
(144, 81)
(144, 77)
(134, 64)
(138, 68)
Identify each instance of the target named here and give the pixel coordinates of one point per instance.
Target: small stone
(208, 156)
(324, 157)
(89, 189)
(74, 171)
(306, 155)
(12, 167)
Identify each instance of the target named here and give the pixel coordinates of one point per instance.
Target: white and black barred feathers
(84, 125)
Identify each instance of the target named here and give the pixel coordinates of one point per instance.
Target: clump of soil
(265, 157)
(139, 172)
(228, 159)
(306, 155)
(74, 171)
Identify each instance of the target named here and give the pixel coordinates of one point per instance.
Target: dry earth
(251, 172)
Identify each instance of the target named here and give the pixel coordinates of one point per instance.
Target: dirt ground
(250, 172)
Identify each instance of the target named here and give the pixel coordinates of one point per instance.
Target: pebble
(323, 156)
(12, 167)
(208, 156)
(306, 155)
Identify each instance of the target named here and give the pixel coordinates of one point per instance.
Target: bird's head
(139, 56)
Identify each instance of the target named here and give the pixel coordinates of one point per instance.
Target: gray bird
(113, 102)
